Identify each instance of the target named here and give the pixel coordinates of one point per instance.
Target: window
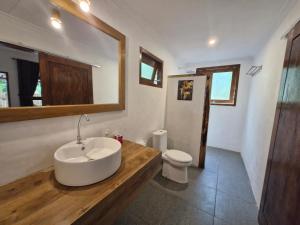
(37, 96)
(4, 90)
(151, 69)
(224, 84)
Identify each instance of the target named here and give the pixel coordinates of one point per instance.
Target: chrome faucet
(79, 139)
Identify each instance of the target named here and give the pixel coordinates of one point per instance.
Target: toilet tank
(160, 140)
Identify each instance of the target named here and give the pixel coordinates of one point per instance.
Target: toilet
(175, 162)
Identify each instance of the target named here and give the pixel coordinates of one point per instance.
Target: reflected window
(151, 69)
(37, 96)
(4, 93)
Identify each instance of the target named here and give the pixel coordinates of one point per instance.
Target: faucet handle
(86, 117)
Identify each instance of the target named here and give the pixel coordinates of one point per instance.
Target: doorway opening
(221, 91)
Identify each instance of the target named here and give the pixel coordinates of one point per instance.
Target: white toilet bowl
(175, 165)
(175, 162)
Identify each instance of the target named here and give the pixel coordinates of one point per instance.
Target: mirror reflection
(58, 60)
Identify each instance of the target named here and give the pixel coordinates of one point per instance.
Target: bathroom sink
(90, 162)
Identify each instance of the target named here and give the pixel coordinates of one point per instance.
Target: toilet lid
(179, 156)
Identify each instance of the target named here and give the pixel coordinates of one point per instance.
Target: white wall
(226, 123)
(262, 103)
(184, 118)
(26, 147)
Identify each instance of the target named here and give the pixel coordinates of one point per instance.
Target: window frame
(235, 69)
(158, 65)
(8, 92)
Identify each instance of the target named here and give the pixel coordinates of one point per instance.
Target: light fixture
(55, 19)
(85, 5)
(212, 42)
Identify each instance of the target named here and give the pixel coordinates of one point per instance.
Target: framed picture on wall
(185, 90)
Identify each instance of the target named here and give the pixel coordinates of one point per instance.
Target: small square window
(224, 84)
(221, 86)
(151, 69)
(147, 71)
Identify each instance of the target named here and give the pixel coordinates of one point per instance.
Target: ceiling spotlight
(55, 19)
(85, 5)
(212, 42)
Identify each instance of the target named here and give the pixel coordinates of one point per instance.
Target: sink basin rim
(73, 143)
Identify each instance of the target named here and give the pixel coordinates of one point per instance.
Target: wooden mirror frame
(31, 113)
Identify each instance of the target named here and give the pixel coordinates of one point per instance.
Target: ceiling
(241, 26)
(75, 31)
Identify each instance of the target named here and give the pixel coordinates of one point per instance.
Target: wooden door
(280, 203)
(65, 82)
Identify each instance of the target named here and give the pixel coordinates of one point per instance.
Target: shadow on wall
(150, 142)
(170, 143)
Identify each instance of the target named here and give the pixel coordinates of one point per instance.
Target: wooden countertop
(39, 200)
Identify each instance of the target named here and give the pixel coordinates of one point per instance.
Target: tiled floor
(218, 195)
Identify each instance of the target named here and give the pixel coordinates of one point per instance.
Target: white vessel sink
(75, 166)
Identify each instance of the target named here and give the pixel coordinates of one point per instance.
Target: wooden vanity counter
(39, 200)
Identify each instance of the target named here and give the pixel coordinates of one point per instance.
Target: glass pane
(147, 71)
(3, 90)
(221, 86)
(38, 90)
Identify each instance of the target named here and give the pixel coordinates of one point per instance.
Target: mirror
(78, 63)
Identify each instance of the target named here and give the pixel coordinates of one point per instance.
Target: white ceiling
(242, 26)
(38, 13)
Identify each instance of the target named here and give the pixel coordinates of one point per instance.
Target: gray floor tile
(220, 195)
(203, 199)
(235, 211)
(232, 168)
(211, 163)
(200, 178)
(220, 222)
(182, 213)
(127, 219)
(236, 187)
(166, 184)
(151, 205)
(193, 193)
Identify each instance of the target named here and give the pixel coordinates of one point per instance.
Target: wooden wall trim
(31, 113)
(72, 8)
(183, 75)
(205, 123)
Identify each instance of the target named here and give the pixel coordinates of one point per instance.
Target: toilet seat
(178, 158)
